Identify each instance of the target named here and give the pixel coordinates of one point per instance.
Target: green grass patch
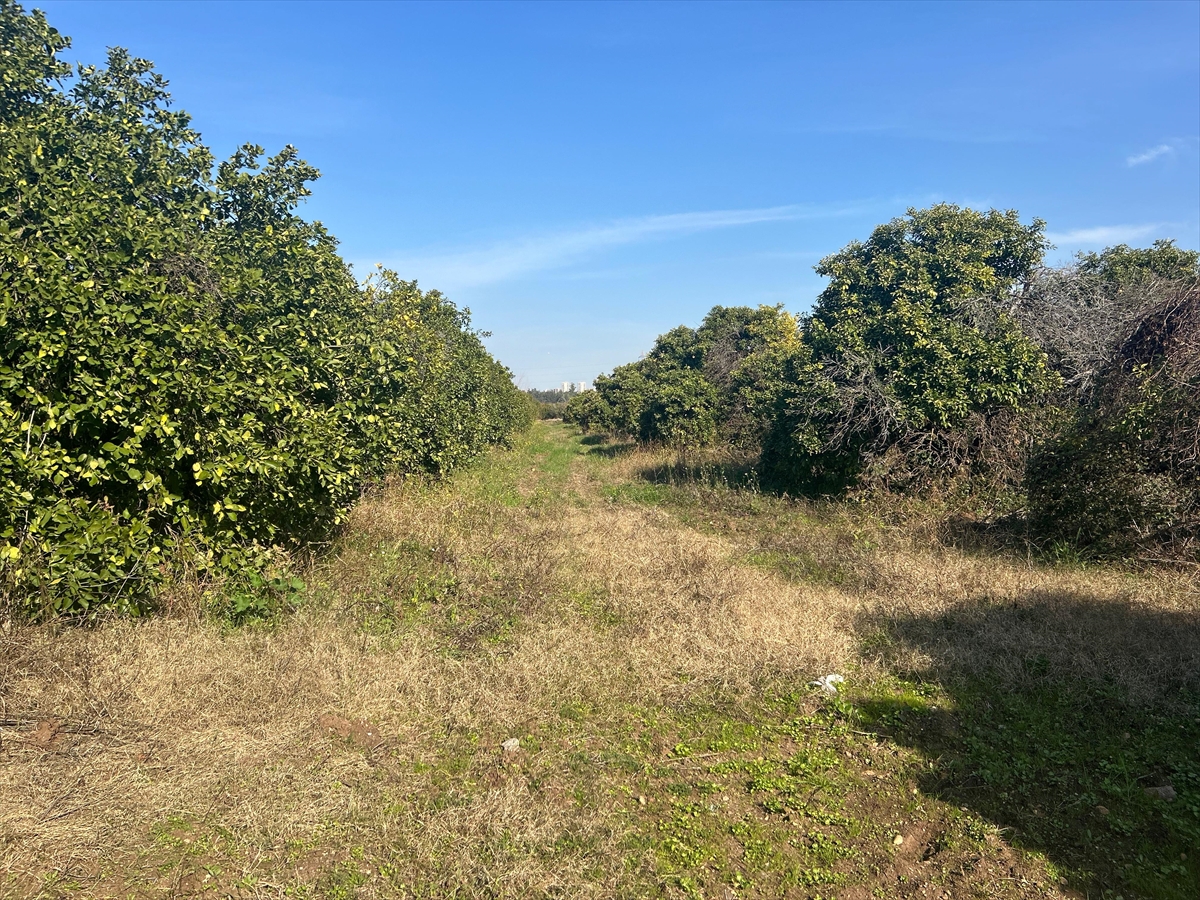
(801, 566)
(644, 493)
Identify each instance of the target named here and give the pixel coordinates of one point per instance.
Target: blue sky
(584, 177)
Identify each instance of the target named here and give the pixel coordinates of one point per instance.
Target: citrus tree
(189, 372)
(910, 343)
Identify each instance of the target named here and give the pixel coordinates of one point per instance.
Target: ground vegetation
(578, 670)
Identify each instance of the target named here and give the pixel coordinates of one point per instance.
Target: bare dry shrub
(1080, 320)
(1124, 477)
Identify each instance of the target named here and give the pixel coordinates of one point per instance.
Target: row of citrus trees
(944, 354)
(189, 372)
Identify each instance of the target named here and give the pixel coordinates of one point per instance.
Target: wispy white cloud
(1103, 235)
(1150, 155)
(477, 266)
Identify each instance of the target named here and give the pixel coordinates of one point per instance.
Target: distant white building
(575, 387)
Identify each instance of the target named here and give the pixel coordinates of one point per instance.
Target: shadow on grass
(1065, 720)
(735, 471)
(610, 450)
(688, 470)
(1008, 535)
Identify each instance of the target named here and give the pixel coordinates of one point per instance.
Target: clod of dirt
(1103, 810)
(357, 731)
(45, 734)
(1165, 792)
(512, 745)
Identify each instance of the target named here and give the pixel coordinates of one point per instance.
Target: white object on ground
(827, 683)
(511, 745)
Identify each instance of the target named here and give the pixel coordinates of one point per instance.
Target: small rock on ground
(1166, 792)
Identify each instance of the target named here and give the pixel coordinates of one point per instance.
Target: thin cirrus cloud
(1103, 235)
(1140, 159)
(503, 261)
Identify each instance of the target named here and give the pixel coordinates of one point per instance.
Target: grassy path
(646, 636)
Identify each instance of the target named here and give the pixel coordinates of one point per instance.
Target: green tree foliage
(921, 304)
(684, 392)
(909, 357)
(941, 348)
(591, 412)
(188, 370)
(909, 354)
(1123, 266)
(679, 409)
(549, 404)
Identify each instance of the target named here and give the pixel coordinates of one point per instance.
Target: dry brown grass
(950, 610)
(184, 757)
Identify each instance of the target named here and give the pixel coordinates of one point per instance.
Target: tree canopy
(189, 372)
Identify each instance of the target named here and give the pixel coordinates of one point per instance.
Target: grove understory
(647, 632)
